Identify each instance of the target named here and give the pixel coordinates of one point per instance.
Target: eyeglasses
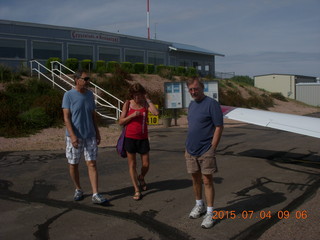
(193, 89)
(85, 78)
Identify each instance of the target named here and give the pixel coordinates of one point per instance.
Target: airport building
(301, 88)
(21, 42)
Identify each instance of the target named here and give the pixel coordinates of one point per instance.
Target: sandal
(143, 185)
(137, 196)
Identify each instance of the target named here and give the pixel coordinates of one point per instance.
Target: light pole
(148, 18)
(155, 30)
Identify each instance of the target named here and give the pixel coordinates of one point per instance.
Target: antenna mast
(148, 18)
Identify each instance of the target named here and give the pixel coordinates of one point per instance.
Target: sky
(256, 36)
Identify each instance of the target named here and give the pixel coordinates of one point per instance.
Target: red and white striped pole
(148, 18)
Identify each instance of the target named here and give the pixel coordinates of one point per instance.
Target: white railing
(39, 68)
(58, 69)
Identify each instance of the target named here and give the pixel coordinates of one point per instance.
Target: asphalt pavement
(267, 187)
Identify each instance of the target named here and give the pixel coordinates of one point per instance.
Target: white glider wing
(309, 126)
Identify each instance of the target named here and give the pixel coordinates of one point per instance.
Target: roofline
(30, 24)
(199, 52)
(283, 74)
(315, 83)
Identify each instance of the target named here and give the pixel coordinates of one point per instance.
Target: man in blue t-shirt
(82, 134)
(205, 122)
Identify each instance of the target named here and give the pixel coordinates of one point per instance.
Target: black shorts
(141, 146)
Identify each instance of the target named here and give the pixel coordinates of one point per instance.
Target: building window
(156, 58)
(172, 61)
(80, 52)
(10, 48)
(109, 54)
(46, 50)
(134, 56)
(184, 63)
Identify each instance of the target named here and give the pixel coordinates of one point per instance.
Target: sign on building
(173, 95)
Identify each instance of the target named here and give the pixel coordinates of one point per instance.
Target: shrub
(8, 115)
(23, 70)
(150, 68)
(86, 64)
(100, 66)
(261, 102)
(139, 67)
(48, 64)
(117, 85)
(16, 89)
(72, 63)
(111, 66)
(231, 97)
(127, 66)
(51, 103)
(181, 71)
(279, 96)
(37, 87)
(8, 75)
(27, 107)
(35, 118)
(165, 71)
(191, 72)
(243, 79)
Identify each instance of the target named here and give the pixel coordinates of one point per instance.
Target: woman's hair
(136, 88)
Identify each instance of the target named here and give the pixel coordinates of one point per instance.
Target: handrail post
(52, 74)
(38, 72)
(31, 71)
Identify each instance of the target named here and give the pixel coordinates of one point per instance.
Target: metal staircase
(58, 77)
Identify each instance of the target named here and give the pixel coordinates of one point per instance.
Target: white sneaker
(208, 221)
(197, 211)
(99, 199)
(78, 195)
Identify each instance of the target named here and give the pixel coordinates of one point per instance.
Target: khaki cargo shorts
(205, 163)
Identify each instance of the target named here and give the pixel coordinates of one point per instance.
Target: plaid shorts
(87, 146)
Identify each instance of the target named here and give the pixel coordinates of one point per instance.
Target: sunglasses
(85, 78)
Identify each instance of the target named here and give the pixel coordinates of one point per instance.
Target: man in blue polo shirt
(205, 122)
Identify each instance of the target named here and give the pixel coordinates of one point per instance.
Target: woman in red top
(134, 117)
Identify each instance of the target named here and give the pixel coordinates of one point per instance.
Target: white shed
(282, 83)
(308, 93)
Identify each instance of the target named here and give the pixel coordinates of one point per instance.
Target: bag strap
(128, 105)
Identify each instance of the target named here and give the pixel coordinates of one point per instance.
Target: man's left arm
(216, 137)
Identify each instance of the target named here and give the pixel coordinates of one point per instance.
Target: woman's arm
(151, 107)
